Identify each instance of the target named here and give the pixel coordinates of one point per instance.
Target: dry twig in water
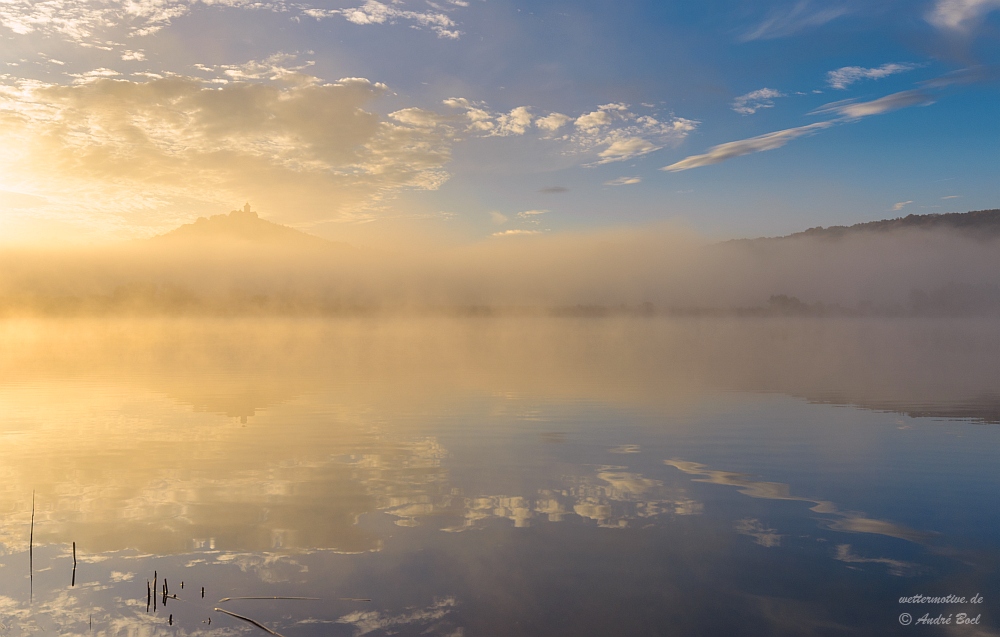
(247, 619)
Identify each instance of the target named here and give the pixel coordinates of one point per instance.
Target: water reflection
(842, 521)
(117, 425)
(429, 463)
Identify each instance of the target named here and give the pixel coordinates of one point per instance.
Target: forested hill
(243, 226)
(978, 223)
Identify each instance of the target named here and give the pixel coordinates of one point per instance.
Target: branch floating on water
(247, 619)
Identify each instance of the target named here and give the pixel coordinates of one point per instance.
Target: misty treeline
(651, 270)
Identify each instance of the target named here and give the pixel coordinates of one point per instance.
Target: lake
(499, 476)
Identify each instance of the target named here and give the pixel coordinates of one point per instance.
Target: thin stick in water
(247, 619)
(73, 582)
(31, 550)
(227, 599)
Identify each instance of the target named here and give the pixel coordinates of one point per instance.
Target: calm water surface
(638, 476)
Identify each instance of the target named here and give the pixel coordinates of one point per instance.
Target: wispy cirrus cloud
(960, 15)
(854, 110)
(623, 181)
(899, 205)
(790, 20)
(847, 110)
(516, 233)
(753, 101)
(845, 76)
(729, 150)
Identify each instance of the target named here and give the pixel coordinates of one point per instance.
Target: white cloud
(896, 207)
(755, 100)
(952, 197)
(91, 22)
(623, 181)
(612, 131)
(277, 66)
(626, 149)
(892, 102)
(133, 56)
(531, 213)
(82, 21)
(498, 218)
(515, 122)
(374, 12)
(91, 76)
(552, 122)
(845, 76)
(802, 15)
(960, 15)
(847, 110)
(592, 122)
(417, 117)
(729, 150)
(516, 233)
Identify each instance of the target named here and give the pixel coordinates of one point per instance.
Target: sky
(464, 121)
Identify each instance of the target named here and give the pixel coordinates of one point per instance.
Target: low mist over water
(254, 267)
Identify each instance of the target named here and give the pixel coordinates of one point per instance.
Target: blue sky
(473, 119)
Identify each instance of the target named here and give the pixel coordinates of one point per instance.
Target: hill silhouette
(243, 226)
(983, 224)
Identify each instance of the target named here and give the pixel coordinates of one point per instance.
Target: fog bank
(651, 269)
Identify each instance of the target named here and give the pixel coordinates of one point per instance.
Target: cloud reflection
(843, 521)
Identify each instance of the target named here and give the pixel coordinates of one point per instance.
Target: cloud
(113, 149)
(848, 110)
(498, 218)
(83, 21)
(515, 122)
(96, 74)
(553, 122)
(553, 190)
(729, 150)
(623, 181)
(90, 22)
(621, 134)
(527, 214)
(755, 100)
(592, 122)
(960, 15)
(374, 12)
(951, 197)
(896, 207)
(626, 149)
(612, 131)
(895, 101)
(847, 75)
(785, 22)
(516, 233)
